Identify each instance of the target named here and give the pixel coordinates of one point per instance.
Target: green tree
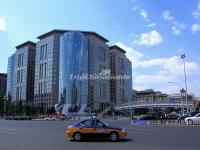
(19, 108)
(51, 110)
(2, 103)
(140, 111)
(169, 110)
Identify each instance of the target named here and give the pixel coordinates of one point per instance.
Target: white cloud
(198, 5)
(182, 25)
(152, 79)
(167, 69)
(177, 27)
(172, 65)
(149, 39)
(159, 82)
(196, 13)
(175, 30)
(167, 16)
(175, 66)
(195, 28)
(169, 65)
(136, 7)
(152, 24)
(132, 54)
(162, 72)
(143, 13)
(2, 24)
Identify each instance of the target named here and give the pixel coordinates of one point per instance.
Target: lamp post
(181, 94)
(186, 97)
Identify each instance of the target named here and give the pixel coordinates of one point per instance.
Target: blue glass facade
(128, 70)
(10, 77)
(73, 93)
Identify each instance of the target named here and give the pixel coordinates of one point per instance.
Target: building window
(20, 60)
(18, 93)
(123, 94)
(102, 90)
(19, 76)
(102, 54)
(43, 52)
(42, 88)
(43, 70)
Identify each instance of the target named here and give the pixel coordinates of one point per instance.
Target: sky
(154, 34)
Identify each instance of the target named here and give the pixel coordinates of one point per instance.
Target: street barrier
(140, 122)
(163, 122)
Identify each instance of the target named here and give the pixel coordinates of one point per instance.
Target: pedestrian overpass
(134, 105)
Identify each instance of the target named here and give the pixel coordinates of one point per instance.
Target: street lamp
(181, 90)
(183, 58)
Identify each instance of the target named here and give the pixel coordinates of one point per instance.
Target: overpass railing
(139, 104)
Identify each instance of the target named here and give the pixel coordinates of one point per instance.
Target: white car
(50, 118)
(193, 120)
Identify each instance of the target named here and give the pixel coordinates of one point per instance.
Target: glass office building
(50, 57)
(10, 77)
(73, 92)
(46, 83)
(120, 89)
(129, 85)
(23, 77)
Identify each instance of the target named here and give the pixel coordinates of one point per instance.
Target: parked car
(94, 128)
(50, 118)
(191, 114)
(172, 116)
(191, 120)
(153, 116)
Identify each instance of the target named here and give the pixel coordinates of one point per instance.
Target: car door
(101, 131)
(87, 128)
(197, 118)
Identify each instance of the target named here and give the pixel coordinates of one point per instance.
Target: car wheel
(113, 136)
(77, 136)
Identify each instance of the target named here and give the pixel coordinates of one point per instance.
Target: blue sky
(154, 33)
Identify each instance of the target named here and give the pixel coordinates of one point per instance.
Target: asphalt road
(49, 135)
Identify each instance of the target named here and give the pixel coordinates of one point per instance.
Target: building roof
(51, 33)
(3, 74)
(63, 31)
(25, 44)
(117, 47)
(147, 91)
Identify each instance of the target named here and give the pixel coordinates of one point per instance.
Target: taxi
(94, 128)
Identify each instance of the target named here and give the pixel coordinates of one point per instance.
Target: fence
(164, 122)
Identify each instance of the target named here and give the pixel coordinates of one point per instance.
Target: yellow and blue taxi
(94, 128)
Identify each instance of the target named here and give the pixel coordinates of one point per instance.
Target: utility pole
(184, 68)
